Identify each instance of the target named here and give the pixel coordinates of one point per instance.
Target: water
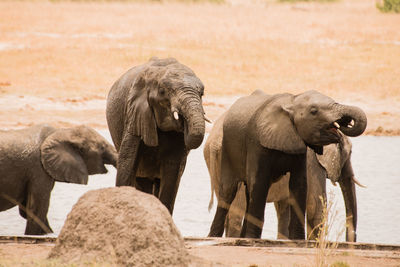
(375, 162)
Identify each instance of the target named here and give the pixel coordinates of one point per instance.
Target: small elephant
(155, 117)
(335, 164)
(34, 158)
(266, 136)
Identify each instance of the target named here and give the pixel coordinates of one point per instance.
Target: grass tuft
(339, 264)
(295, 1)
(389, 6)
(146, 1)
(324, 247)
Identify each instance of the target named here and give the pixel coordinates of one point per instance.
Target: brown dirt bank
(224, 252)
(59, 59)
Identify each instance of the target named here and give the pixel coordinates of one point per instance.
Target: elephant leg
(257, 185)
(224, 201)
(169, 183)
(22, 209)
(228, 187)
(315, 210)
(316, 195)
(254, 218)
(298, 189)
(144, 184)
(233, 224)
(156, 187)
(283, 213)
(36, 211)
(349, 195)
(127, 162)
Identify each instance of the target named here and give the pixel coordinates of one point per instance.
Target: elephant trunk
(353, 120)
(193, 113)
(110, 156)
(350, 200)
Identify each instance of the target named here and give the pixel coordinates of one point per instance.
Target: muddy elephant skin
(34, 158)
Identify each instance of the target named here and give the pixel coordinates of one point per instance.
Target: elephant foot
(35, 229)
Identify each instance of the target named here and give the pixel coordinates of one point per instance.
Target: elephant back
(23, 143)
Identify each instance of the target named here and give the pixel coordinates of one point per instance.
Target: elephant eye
(162, 92)
(313, 110)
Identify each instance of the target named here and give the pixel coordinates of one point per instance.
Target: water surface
(376, 163)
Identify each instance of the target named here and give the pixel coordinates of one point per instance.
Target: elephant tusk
(351, 124)
(336, 125)
(176, 116)
(357, 182)
(207, 119)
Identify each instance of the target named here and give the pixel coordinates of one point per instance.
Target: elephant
(334, 163)
(155, 116)
(266, 136)
(34, 158)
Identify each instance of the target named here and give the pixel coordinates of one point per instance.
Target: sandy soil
(59, 59)
(13, 254)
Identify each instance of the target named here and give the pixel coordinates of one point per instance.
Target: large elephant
(334, 163)
(155, 117)
(34, 158)
(265, 137)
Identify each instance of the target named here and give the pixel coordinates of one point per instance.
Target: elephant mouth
(336, 126)
(330, 134)
(103, 169)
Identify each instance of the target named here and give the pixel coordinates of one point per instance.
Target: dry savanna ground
(59, 59)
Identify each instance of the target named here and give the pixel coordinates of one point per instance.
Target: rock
(121, 226)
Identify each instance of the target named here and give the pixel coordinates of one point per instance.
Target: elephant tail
(212, 161)
(211, 203)
(212, 181)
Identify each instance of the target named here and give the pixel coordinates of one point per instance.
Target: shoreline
(90, 110)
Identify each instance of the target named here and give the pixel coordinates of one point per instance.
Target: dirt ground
(59, 59)
(206, 254)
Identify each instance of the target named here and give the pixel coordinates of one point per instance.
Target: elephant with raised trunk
(155, 116)
(334, 163)
(34, 158)
(266, 136)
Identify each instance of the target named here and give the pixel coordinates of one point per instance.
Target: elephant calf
(34, 158)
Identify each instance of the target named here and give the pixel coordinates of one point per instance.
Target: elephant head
(334, 158)
(70, 155)
(290, 123)
(336, 161)
(166, 95)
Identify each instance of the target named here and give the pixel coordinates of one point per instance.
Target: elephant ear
(61, 158)
(140, 118)
(331, 161)
(334, 158)
(275, 127)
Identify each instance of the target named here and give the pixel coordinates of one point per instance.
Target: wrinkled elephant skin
(155, 117)
(34, 158)
(263, 137)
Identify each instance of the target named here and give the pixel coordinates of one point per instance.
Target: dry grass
(325, 247)
(346, 49)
